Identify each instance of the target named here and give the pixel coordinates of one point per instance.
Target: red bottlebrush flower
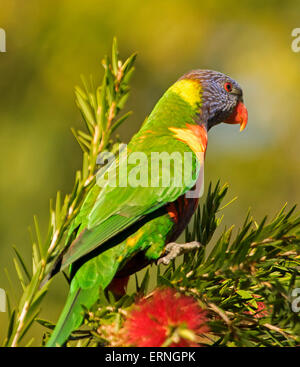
(166, 316)
(260, 311)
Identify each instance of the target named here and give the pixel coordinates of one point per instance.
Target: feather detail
(195, 136)
(189, 90)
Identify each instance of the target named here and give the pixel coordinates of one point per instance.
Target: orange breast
(195, 136)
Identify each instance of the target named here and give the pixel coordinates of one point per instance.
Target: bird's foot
(174, 249)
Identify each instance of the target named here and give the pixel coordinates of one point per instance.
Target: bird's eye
(228, 87)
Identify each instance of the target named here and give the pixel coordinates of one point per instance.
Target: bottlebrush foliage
(241, 290)
(244, 284)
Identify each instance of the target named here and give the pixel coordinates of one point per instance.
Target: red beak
(238, 116)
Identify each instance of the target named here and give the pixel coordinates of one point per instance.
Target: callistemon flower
(166, 319)
(261, 310)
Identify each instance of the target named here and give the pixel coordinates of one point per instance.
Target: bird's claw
(173, 249)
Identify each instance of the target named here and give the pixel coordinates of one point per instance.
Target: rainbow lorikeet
(122, 228)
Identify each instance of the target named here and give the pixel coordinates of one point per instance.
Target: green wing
(113, 208)
(109, 210)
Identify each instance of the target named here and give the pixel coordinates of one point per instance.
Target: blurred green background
(50, 43)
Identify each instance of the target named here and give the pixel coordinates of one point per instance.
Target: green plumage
(116, 223)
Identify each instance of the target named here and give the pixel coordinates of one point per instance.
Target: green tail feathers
(72, 315)
(84, 292)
